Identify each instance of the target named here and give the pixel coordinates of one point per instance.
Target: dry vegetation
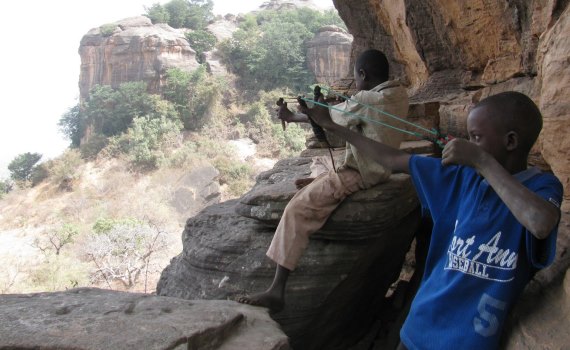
(49, 238)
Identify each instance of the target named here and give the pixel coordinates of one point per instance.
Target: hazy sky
(40, 64)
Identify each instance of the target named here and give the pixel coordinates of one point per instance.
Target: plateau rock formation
(91, 319)
(132, 49)
(328, 54)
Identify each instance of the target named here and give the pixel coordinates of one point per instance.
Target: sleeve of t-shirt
(541, 253)
(434, 184)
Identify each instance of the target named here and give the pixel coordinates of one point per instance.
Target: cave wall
(457, 52)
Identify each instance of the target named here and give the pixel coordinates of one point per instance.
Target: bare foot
(300, 183)
(273, 302)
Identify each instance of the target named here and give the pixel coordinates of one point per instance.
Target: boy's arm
(532, 211)
(390, 158)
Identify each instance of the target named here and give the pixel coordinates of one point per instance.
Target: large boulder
(368, 235)
(132, 49)
(328, 54)
(362, 215)
(91, 319)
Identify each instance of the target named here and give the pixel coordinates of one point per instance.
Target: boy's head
(371, 68)
(505, 124)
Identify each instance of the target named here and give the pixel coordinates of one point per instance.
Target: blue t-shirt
(480, 257)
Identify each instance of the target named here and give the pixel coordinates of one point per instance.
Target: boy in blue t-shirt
(495, 222)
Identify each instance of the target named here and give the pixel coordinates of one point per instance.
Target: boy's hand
(284, 113)
(462, 152)
(321, 116)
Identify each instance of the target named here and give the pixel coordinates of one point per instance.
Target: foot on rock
(273, 303)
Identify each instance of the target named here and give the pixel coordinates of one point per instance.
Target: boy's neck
(515, 165)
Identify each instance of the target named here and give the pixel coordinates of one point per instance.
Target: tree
(201, 41)
(268, 51)
(57, 239)
(111, 111)
(5, 187)
(157, 13)
(22, 165)
(122, 251)
(72, 125)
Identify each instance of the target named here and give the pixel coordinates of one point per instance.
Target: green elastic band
(364, 118)
(381, 111)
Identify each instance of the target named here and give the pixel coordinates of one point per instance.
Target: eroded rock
(90, 318)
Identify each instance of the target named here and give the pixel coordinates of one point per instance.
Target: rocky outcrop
(132, 49)
(196, 190)
(456, 53)
(224, 256)
(90, 319)
(453, 54)
(328, 54)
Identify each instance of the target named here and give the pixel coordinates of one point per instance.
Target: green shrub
(39, 173)
(5, 187)
(236, 174)
(108, 29)
(195, 95)
(65, 166)
(93, 146)
(201, 41)
(22, 165)
(148, 142)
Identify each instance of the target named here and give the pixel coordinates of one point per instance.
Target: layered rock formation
(328, 54)
(369, 234)
(132, 49)
(453, 54)
(90, 319)
(457, 52)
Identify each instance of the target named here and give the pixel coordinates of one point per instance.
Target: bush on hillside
(195, 95)
(65, 166)
(39, 173)
(5, 187)
(148, 142)
(22, 165)
(201, 41)
(123, 252)
(72, 125)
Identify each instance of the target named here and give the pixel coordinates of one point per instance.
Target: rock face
(89, 319)
(459, 52)
(453, 54)
(196, 189)
(224, 256)
(328, 54)
(132, 50)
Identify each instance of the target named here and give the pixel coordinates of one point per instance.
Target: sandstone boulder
(328, 54)
(132, 50)
(89, 318)
(362, 215)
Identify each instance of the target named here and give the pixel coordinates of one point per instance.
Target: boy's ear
(362, 73)
(512, 140)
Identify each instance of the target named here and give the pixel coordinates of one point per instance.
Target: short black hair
(517, 112)
(374, 63)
